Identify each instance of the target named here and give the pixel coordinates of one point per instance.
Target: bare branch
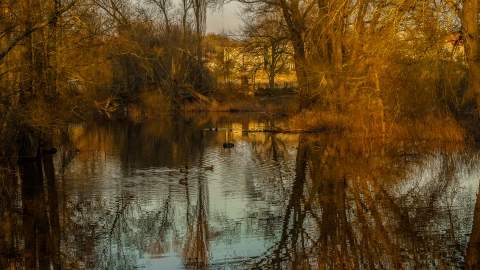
(53, 18)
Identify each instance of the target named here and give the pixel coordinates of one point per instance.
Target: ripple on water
(244, 204)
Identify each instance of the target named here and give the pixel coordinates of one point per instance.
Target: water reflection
(274, 201)
(355, 206)
(30, 216)
(473, 248)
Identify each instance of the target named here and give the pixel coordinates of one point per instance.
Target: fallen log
(189, 88)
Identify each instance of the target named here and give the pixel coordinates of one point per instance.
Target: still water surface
(273, 201)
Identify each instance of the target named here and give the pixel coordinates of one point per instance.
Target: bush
(156, 102)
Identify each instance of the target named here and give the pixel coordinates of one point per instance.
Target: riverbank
(351, 123)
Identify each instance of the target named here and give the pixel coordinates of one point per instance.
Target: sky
(224, 20)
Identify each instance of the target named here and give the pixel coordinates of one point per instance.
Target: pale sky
(224, 20)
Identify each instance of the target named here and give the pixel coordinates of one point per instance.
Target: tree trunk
(271, 75)
(301, 69)
(296, 27)
(469, 19)
(51, 69)
(199, 8)
(337, 62)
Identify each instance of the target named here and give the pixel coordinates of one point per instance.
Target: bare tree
(24, 29)
(267, 39)
(165, 6)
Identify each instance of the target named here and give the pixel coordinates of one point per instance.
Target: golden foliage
(430, 128)
(316, 120)
(369, 125)
(231, 105)
(156, 102)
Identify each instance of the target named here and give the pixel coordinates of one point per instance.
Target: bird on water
(228, 145)
(183, 181)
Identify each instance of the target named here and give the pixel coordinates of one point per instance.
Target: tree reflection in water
(30, 237)
(310, 201)
(473, 249)
(358, 207)
(197, 244)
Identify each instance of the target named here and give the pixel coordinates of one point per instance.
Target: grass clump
(316, 120)
(155, 102)
(430, 128)
(231, 105)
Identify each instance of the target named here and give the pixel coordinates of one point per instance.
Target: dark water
(273, 201)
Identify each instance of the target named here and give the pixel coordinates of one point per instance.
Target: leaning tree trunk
(469, 19)
(299, 56)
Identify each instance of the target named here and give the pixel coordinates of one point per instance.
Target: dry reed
(240, 105)
(430, 128)
(439, 128)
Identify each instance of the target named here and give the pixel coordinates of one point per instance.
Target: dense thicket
(389, 61)
(384, 62)
(66, 60)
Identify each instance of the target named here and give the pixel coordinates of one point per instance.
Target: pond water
(273, 201)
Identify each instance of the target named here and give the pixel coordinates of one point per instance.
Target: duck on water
(183, 181)
(228, 145)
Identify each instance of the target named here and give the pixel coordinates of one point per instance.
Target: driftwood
(108, 106)
(189, 88)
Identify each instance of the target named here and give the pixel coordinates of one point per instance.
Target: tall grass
(231, 105)
(367, 125)
(317, 120)
(156, 102)
(430, 128)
